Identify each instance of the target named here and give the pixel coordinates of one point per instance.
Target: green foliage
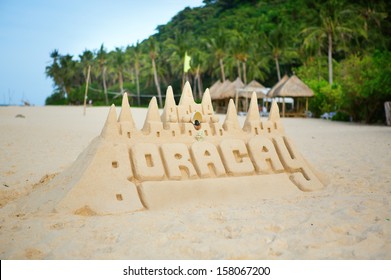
(326, 98)
(341, 116)
(250, 39)
(57, 98)
(366, 85)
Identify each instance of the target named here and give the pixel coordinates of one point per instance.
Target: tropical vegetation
(340, 48)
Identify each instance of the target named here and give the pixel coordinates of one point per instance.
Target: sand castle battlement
(170, 161)
(175, 122)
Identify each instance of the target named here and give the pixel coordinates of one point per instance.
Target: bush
(56, 98)
(341, 116)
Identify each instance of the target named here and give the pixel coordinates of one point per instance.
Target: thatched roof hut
(253, 86)
(271, 93)
(216, 91)
(230, 90)
(291, 87)
(214, 88)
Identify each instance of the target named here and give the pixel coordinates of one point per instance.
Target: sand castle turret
(231, 121)
(172, 161)
(126, 122)
(110, 129)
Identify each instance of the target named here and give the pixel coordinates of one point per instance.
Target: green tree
(101, 57)
(53, 70)
(86, 60)
(153, 53)
(218, 46)
(366, 85)
(118, 63)
(337, 23)
(135, 53)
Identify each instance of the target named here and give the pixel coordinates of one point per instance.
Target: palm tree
(175, 49)
(101, 57)
(277, 42)
(86, 60)
(218, 46)
(199, 60)
(240, 51)
(153, 52)
(53, 70)
(135, 54)
(67, 73)
(337, 22)
(118, 62)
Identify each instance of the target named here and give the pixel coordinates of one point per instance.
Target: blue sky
(31, 29)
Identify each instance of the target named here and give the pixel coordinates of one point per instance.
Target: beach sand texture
(349, 219)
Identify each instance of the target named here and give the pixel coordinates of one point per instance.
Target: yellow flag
(186, 65)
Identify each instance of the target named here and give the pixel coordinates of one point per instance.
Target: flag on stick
(186, 65)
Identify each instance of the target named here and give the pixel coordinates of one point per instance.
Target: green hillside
(340, 48)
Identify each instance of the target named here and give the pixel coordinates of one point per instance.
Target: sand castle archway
(169, 161)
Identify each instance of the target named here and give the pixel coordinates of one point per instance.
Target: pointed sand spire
(252, 114)
(231, 120)
(206, 103)
(274, 114)
(207, 107)
(110, 128)
(169, 111)
(126, 114)
(152, 114)
(187, 95)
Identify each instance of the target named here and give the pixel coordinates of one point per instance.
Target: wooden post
(236, 101)
(387, 109)
(306, 105)
(283, 107)
(85, 94)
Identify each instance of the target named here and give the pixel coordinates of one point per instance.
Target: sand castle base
(170, 161)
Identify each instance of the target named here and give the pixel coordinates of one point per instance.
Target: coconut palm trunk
(157, 83)
(330, 57)
(104, 85)
(277, 67)
(86, 91)
(222, 69)
(199, 83)
(238, 66)
(121, 81)
(244, 72)
(137, 84)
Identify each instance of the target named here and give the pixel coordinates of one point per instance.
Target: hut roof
(230, 90)
(217, 94)
(292, 87)
(214, 88)
(253, 86)
(271, 93)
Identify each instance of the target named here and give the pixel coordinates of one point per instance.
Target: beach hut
(223, 93)
(231, 89)
(213, 90)
(246, 93)
(295, 88)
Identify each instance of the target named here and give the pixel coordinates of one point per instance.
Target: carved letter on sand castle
(169, 161)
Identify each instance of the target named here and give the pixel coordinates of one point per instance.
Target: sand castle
(168, 161)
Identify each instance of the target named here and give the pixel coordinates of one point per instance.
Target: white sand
(349, 219)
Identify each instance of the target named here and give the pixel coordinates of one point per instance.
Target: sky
(31, 29)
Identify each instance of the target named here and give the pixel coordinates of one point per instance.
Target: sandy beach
(349, 219)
